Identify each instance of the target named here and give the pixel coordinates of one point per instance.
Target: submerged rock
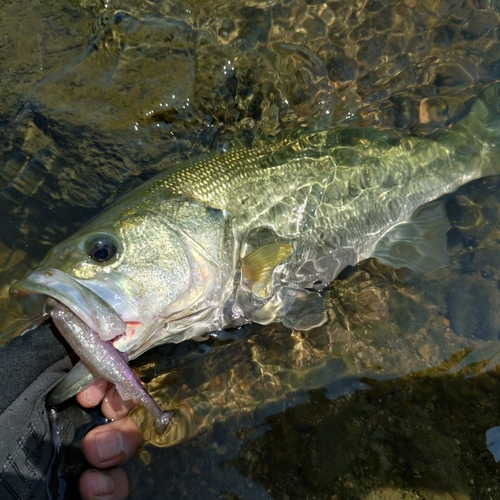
(473, 307)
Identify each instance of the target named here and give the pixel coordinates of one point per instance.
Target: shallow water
(99, 96)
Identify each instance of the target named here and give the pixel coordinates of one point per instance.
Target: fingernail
(102, 484)
(109, 445)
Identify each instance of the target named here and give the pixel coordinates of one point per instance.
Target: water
(99, 96)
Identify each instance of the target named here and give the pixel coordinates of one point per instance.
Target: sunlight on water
(99, 96)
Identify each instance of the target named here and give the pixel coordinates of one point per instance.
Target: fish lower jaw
(52, 303)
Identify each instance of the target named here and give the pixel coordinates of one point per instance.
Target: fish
(253, 235)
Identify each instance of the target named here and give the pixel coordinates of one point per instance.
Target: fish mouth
(33, 293)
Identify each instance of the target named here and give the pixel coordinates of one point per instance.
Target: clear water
(99, 96)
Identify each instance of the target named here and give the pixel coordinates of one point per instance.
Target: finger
(93, 395)
(103, 485)
(112, 444)
(114, 407)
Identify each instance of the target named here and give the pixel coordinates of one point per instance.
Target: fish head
(139, 274)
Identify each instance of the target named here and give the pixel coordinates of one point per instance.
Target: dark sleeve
(31, 366)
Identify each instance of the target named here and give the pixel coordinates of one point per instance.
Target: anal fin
(419, 243)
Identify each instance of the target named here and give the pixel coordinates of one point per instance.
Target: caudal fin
(483, 123)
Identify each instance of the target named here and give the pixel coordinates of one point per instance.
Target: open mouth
(40, 289)
(83, 318)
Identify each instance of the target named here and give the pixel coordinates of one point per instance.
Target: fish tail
(482, 125)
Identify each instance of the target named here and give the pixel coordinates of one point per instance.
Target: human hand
(108, 446)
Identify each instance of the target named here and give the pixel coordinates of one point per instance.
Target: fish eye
(102, 249)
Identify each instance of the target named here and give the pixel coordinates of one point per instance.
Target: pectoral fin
(257, 267)
(419, 244)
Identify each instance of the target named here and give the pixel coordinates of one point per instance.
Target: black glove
(34, 440)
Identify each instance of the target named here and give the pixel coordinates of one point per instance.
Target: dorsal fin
(419, 243)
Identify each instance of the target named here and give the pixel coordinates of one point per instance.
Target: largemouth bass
(255, 235)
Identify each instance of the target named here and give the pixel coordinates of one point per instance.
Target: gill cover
(200, 231)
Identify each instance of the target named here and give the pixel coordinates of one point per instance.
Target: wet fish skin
(102, 357)
(223, 240)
